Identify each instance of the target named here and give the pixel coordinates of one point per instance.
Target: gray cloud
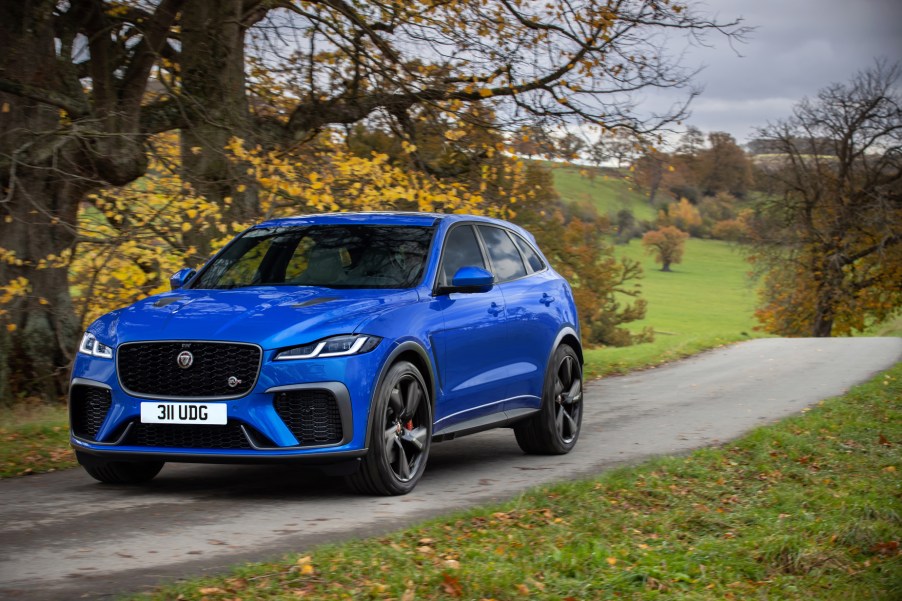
(797, 48)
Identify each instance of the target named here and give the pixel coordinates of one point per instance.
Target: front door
(471, 344)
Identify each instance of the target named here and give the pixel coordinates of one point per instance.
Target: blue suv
(352, 341)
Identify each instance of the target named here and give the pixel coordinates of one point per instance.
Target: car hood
(272, 317)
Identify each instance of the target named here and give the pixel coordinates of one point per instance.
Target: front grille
(187, 436)
(152, 369)
(88, 406)
(311, 415)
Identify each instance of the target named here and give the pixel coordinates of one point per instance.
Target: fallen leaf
(887, 548)
(611, 561)
(451, 585)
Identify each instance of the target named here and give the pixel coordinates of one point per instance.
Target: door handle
(547, 299)
(496, 309)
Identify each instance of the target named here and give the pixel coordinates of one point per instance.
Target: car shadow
(450, 459)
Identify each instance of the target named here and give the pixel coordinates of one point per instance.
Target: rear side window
(529, 255)
(461, 250)
(506, 259)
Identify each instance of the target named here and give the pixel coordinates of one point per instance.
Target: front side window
(505, 257)
(332, 256)
(461, 250)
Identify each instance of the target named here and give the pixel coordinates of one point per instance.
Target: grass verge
(34, 439)
(808, 508)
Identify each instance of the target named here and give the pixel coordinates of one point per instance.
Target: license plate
(184, 413)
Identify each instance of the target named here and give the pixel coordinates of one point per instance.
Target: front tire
(400, 437)
(119, 472)
(555, 428)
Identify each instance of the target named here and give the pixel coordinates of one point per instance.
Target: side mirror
(471, 279)
(178, 279)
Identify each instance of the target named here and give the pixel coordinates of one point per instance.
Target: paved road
(62, 536)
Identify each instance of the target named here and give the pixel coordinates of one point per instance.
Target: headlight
(336, 346)
(90, 346)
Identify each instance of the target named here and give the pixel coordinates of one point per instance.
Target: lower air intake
(88, 406)
(311, 415)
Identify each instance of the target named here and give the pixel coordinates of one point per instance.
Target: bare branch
(75, 107)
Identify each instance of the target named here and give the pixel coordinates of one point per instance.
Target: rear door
(532, 311)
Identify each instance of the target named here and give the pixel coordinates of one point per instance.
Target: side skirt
(480, 424)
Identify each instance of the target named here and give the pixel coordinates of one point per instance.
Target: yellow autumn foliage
(133, 238)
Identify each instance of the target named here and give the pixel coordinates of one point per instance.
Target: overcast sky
(798, 47)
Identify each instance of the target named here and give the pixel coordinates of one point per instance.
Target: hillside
(608, 193)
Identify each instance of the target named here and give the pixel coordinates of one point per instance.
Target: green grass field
(608, 194)
(705, 302)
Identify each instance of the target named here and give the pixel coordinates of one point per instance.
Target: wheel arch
(568, 336)
(406, 351)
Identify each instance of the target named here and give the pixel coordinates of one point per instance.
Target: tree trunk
(666, 266)
(212, 62)
(46, 168)
(37, 216)
(828, 293)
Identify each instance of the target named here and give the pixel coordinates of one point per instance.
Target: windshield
(332, 256)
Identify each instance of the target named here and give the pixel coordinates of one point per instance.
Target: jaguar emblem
(185, 359)
(233, 381)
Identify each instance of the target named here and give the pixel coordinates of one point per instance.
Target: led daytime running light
(361, 344)
(91, 346)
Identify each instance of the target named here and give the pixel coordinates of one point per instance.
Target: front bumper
(305, 410)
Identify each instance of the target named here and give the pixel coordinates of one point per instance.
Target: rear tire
(400, 436)
(120, 472)
(555, 428)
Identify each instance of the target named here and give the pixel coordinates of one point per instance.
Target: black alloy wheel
(555, 428)
(400, 437)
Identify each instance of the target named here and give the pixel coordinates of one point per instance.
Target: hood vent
(315, 301)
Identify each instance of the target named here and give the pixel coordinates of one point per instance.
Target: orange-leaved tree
(682, 215)
(666, 244)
